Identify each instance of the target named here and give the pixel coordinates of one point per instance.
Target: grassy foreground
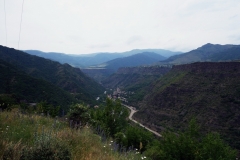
(37, 137)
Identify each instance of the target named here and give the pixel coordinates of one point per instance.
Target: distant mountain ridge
(208, 52)
(145, 58)
(86, 60)
(101, 71)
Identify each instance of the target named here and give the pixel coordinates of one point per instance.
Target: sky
(90, 26)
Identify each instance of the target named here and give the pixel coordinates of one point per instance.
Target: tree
(190, 145)
(114, 117)
(79, 114)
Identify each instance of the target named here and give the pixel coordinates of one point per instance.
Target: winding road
(130, 117)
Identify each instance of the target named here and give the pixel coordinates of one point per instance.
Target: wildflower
(111, 141)
(104, 146)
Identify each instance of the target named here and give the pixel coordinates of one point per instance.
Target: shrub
(47, 148)
(78, 114)
(191, 145)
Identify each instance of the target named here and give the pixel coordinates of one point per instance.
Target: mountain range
(203, 84)
(206, 53)
(140, 59)
(86, 60)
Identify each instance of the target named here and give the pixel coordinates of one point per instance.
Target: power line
(5, 21)
(20, 25)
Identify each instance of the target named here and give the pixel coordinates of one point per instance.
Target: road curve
(130, 117)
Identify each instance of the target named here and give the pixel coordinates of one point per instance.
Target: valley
(161, 94)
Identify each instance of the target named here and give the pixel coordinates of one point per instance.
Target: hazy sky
(87, 26)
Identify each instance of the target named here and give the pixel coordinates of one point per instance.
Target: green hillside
(64, 76)
(107, 136)
(22, 87)
(210, 92)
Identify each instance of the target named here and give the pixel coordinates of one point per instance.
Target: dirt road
(130, 117)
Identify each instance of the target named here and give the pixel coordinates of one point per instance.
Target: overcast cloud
(87, 26)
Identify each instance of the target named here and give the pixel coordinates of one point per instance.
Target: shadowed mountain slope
(64, 76)
(209, 91)
(26, 88)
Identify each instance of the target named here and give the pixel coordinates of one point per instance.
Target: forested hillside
(135, 80)
(17, 87)
(207, 91)
(64, 76)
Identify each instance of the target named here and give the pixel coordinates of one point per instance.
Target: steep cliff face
(210, 92)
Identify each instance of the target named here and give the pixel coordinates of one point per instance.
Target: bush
(79, 114)
(191, 145)
(47, 148)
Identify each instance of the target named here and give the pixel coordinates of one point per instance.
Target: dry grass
(18, 131)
